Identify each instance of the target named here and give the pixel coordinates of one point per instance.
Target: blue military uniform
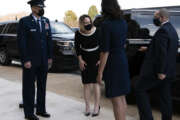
(35, 45)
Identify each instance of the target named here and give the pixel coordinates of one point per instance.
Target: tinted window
(12, 28)
(75, 29)
(146, 21)
(60, 28)
(175, 21)
(1, 28)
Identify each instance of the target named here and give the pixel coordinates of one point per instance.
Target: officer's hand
(50, 61)
(27, 65)
(143, 49)
(161, 76)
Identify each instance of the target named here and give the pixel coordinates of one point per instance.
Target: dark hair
(111, 9)
(127, 17)
(81, 19)
(98, 20)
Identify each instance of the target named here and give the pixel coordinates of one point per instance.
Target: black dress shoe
(45, 114)
(96, 114)
(33, 117)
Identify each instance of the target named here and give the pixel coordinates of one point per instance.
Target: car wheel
(4, 57)
(55, 68)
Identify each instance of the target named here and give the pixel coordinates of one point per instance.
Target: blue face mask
(157, 22)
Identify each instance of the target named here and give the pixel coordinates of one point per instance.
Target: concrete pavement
(60, 107)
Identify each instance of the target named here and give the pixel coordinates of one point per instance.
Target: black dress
(116, 75)
(83, 43)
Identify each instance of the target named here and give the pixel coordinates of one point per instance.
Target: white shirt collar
(35, 18)
(164, 22)
(94, 30)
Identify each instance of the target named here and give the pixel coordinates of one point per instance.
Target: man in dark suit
(159, 68)
(35, 46)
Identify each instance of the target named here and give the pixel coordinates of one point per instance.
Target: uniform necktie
(39, 26)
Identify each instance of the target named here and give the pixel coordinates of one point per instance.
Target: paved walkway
(61, 108)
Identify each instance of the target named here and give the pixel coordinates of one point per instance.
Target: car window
(75, 29)
(1, 28)
(175, 21)
(146, 21)
(12, 28)
(60, 28)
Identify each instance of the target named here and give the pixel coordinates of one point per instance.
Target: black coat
(34, 46)
(161, 55)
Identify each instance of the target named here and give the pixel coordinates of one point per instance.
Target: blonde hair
(81, 20)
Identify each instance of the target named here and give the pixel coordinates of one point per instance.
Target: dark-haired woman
(87, 49)
(113, 61)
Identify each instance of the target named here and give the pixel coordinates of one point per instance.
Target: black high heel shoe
(87, 114)
(96, 114)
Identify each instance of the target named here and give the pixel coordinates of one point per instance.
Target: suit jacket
(34, 46)
(161, 55)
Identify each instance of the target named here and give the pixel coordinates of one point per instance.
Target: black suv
(141, 29)
(63, 44)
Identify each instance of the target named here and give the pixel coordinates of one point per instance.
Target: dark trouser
(38, 74)
(164, 94)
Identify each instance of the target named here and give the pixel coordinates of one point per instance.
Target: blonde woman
(87, 49)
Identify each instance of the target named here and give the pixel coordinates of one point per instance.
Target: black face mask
(88, 27)
(156, 22)
(41, 12)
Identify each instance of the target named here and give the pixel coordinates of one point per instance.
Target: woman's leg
(87, 95)
(119, 107)
(97, 95)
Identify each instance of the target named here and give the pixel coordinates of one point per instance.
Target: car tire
(55, 68)
(4, 57)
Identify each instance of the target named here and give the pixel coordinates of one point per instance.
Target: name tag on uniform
(33, 30)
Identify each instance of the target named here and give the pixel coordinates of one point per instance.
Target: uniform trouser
(164, 95)
(38, 74)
